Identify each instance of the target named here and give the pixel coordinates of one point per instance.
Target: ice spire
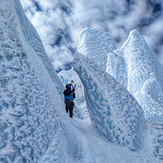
(96, 45)
(145, 76)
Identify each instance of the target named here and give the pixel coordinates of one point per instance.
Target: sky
(59, 23)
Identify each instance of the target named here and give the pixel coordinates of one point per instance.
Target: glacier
(96, 44)
(34, 127)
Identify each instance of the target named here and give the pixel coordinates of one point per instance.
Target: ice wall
(145, 76)
(113, 110)
(96, 45)
(30, 105)
(33, 39)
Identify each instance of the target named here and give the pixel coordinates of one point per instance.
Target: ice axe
(73, 87)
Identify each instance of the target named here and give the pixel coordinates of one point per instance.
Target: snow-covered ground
(85, 145)
(34, 126)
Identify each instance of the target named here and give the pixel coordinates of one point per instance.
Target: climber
(69, 96)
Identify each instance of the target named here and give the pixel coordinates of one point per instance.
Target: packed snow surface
(83, 144)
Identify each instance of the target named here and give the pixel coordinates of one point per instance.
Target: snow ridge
(33, 123)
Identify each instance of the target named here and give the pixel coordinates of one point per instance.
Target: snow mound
(113, 110)
(96, 45)
(145, 76)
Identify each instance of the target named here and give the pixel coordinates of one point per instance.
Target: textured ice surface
(96, 45)
(145, 76)
(30, 104)
(113, 110)
(33, 39)
(66, 77)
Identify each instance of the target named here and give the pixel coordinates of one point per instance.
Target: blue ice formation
(113, 110)
(96, 45)
(30, 104)
(144, 76)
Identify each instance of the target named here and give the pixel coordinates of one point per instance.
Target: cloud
(60, 22)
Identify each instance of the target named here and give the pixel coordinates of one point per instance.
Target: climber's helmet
(68, 86)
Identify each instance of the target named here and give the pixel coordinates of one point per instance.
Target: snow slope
(116, 67)
(96, 44)
(116, 114)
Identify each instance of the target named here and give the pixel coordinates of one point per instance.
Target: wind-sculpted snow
(34, 41)
(145, 76)
(113, 110)
(66, 77)
(96, 45)
(30, 105)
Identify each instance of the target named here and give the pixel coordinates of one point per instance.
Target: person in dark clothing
(69, 96)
